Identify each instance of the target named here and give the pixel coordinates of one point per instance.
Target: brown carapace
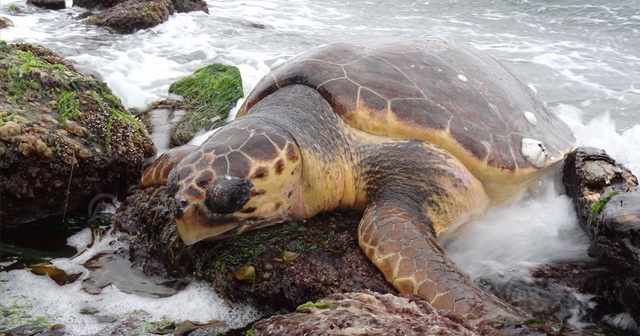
(419, 136)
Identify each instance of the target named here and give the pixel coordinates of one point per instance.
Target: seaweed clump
(206, 97)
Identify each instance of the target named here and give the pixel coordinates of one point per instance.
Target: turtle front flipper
(158, 172)
(408, 255)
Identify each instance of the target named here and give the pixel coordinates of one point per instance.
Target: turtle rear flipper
(410, 258)
(158, 172)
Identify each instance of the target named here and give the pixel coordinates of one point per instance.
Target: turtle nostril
(181, 203)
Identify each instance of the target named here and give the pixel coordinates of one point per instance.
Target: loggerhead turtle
(418, 136)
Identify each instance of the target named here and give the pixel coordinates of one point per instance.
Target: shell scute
(241, 164)
(220, 164)
(323, 70)
(463, 131)
(383, 78)
(260, 148)
(411, 111)
(342, 94)
(373, 102)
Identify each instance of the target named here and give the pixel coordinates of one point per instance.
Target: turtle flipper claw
(410, 258)
(156, 174)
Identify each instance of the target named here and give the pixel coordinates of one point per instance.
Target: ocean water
(582, 57)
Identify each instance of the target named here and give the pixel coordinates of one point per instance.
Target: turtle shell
(451, 95)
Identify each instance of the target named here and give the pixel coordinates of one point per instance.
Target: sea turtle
(418, 135)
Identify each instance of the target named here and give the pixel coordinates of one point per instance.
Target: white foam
(623, 321)
(62, 304)
(539, 229)
(601, 132)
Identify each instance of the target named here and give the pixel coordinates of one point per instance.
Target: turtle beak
(193, 228)
(195, 223)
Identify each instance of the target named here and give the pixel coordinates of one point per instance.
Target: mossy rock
(209, 94)
(64, 137)
(292, 262)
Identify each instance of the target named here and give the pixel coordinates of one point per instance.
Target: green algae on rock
(64, 137)
(209, 94)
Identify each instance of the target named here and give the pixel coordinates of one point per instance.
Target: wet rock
(185, 6)
(589, 175)
(49, 4)
(127, 16)
(607, 200)
(96, 4)
(133, 15)
(64, 137)
(328, 256)
(586, 287)
(181, 6)
(203, 99)
(370, 314)
(5, 22)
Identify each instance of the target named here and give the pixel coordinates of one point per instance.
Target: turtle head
(242, 178)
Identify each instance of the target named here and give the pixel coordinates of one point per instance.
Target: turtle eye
(228, 194)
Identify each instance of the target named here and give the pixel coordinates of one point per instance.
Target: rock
(607, 201)
(127, 16)
(185, 6)
(49, 4)
(369, 314)
(181, 6)
(326, 257)
(133, 15)
(5, 22)
(96, 4)
(589, 175)
(64, 137)
(207, 96)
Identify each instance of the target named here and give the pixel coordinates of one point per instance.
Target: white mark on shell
(531, 118)
(462, 78)
(533, 88)
(534, 151)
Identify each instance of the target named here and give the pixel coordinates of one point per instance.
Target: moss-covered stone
(209, 94)
(64, 137)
